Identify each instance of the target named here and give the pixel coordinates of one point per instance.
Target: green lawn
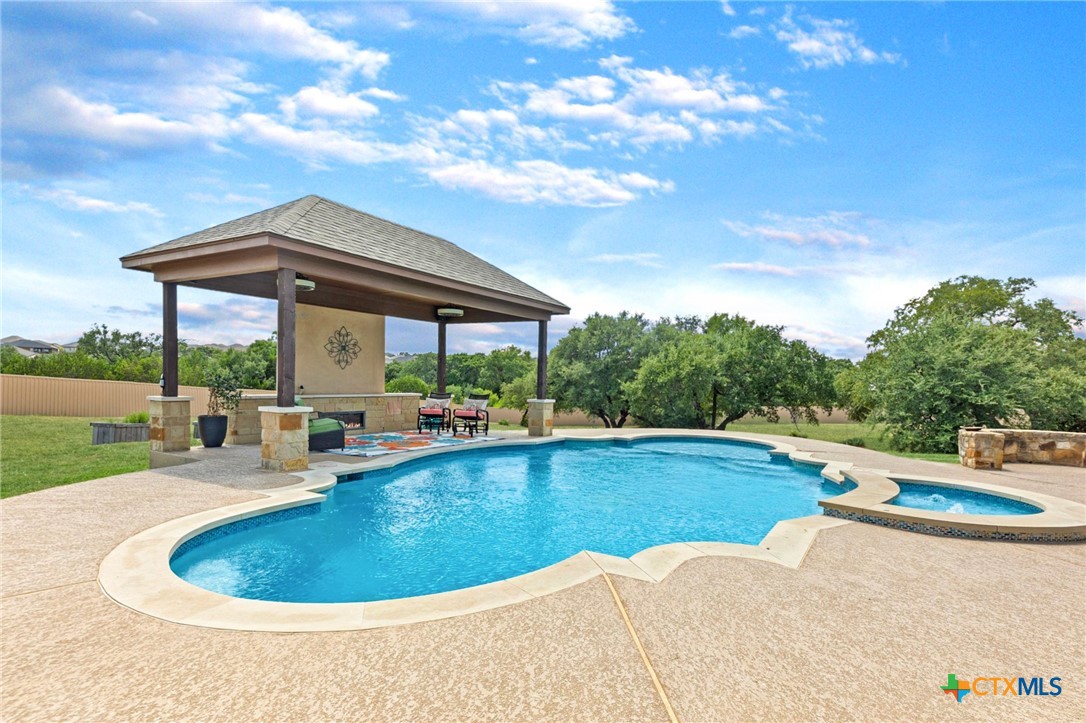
(41, 452)
(835, 433)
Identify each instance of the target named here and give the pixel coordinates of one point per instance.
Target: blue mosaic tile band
(943, 531)
(248, 523)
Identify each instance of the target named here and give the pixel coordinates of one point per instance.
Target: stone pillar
(980, 449)
(284, 438)
(540, 417)
(171, 424)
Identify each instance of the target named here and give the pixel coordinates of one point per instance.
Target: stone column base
(980, 449)
(540, 417)
(284, 438)
(171, 421)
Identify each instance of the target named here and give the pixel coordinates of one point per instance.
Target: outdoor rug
(373, 445)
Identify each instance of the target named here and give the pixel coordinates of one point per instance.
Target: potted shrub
(224, 397)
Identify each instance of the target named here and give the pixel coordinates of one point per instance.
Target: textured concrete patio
(868, 627)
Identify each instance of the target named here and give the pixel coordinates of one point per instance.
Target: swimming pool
(478, 516)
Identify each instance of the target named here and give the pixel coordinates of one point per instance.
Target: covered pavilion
(313, 252)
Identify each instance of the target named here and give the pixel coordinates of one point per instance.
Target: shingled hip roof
(325, 224)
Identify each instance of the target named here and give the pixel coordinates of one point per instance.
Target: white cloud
(59, 112)
(834, 228)
(317, 146)
(276, 31)
(827, 43)
(545, 182)
(726, 8)
(555, 23)
(531, 61)
(757, 267)
(650, 260)
(382, 94)
(72, 201)
(744, 31)
(326, 101)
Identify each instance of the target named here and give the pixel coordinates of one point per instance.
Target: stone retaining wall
(990, 448)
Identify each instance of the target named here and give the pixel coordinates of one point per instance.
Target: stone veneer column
(980, 449)
(540, 417)
(171, 424)
(284, 438)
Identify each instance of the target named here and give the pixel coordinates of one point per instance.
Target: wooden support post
(441, 325)
(284, 356)
(541, 363)
(169, 339)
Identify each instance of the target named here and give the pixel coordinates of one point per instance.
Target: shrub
(856, 442)
(224, 393)
(137, 418)
(408, 383)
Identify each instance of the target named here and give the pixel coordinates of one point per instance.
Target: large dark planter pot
(212, 429)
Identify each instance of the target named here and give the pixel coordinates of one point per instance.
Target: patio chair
(435, 413)
(324, 433)
(472, 415)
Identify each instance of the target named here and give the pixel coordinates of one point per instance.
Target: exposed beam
(169, 340)
(284, 356)
(332, 295)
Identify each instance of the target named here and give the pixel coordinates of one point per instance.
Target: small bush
(856, 442)
(138, 418)
(503, 422)
(795, 433)
(408, 383)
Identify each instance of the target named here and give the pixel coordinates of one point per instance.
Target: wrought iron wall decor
(342, 347)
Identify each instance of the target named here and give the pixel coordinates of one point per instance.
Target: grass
(41, 452)
(840, 433)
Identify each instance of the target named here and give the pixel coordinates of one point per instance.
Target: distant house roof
(312, 232)
(29, 347)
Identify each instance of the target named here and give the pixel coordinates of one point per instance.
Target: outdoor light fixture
(449, 312)
(304, 284)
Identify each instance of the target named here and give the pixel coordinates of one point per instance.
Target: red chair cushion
(467, 414)
(431, 412)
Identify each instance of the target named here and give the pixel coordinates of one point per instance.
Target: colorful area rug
(374, 445)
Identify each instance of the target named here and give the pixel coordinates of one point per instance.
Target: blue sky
(809, 165)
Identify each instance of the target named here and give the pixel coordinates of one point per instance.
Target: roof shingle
(320, 222)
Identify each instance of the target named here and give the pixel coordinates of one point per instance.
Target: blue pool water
(472, 517)
(963, 502)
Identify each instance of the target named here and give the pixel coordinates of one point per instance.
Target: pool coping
(137, 574)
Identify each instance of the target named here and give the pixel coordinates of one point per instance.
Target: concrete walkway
(868, 627)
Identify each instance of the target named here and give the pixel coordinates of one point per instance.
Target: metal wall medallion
(342, 347)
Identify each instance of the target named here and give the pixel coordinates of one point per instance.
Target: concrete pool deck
(868, 626)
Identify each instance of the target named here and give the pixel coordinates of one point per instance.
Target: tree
(950, 373)
(673, 387)
(987, 301)
(113, 346)
(502, 366)
(733, 368)
(806, 383)
(589, 367)
(970, 351)
(423, 366)
(515, 394)
(464, 370)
